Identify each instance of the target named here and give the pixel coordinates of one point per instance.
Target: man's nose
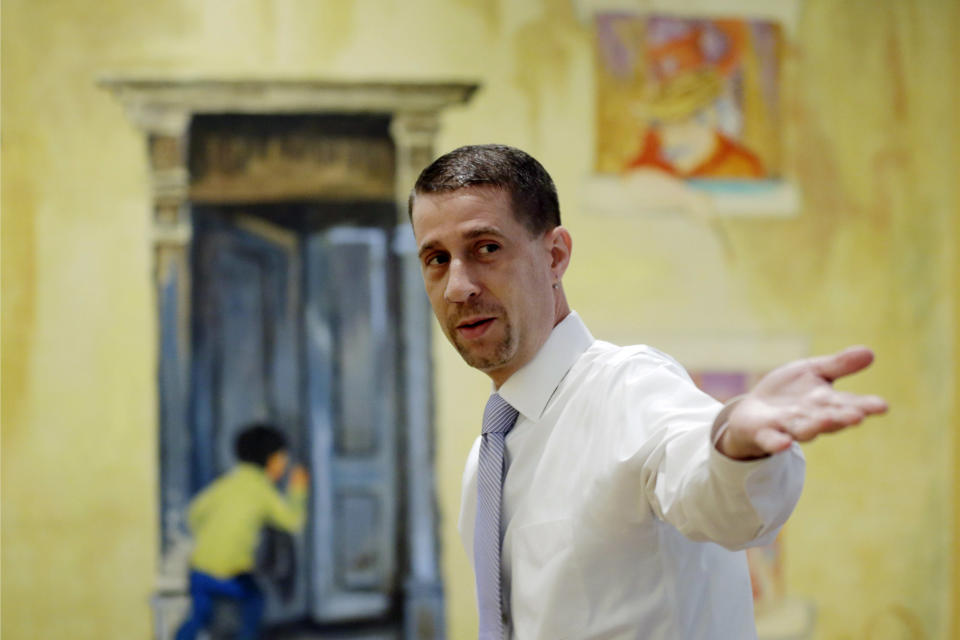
(461, 283)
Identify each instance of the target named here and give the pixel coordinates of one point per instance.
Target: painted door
(291, 325)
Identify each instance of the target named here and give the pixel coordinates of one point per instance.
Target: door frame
(162, 108)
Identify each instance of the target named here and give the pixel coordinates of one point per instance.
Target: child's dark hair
(257, 442)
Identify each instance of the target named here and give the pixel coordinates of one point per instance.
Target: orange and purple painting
(693, 98)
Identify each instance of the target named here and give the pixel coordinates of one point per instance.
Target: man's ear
(560, 245)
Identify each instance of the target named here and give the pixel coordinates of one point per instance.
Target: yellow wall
(872, 258)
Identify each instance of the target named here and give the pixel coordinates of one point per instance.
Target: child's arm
(290, 512)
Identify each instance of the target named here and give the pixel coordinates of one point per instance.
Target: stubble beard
(502, 352)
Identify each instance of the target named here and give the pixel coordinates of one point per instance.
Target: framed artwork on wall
(690, 110)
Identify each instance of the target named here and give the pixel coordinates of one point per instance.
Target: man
(627, 494)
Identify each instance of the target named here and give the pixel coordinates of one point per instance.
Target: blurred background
(203, 223)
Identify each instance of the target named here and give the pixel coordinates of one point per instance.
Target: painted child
(226, 519)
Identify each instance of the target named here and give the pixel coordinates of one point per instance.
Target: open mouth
(474, 324)
(474, 328)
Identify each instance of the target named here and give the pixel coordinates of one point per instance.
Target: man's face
(490, 282)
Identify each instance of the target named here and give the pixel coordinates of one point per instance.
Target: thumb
(773, 441)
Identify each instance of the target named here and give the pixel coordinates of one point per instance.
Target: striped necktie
(498, 419)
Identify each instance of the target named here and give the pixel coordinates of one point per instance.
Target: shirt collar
(529, 389)
(250, 468)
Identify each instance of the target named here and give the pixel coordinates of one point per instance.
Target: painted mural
(867, 131)
(690, 102)
(699, 98)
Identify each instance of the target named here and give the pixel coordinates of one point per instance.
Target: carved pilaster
(413, 134)
(170, 189)
(170, 192)
(166, 124)
(171, 233)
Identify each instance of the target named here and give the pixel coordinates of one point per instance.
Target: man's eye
(487, 249)
(437, 259)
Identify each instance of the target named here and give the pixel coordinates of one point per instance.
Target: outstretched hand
(797, 402)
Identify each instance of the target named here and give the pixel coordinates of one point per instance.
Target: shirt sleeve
(287, 512)
(664, 444)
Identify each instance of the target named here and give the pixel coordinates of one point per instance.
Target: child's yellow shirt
(226, 519)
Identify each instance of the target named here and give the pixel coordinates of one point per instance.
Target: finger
(825, 420)
(841, 418)
(868, 404)
(874, 405)
(773, 441)
(843, 363)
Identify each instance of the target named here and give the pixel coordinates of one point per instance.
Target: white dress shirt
(620, 519)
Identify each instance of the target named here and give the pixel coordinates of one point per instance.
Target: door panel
(245, 344)
(242, 340)
(294, 326)
(350, 369)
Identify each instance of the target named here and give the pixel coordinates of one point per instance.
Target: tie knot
(498, 416)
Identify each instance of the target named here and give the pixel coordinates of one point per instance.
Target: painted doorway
(291, 323)
(214, 142)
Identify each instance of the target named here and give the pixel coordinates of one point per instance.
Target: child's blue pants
(204, 589)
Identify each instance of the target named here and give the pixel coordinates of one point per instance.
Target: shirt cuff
(721, 422)
(738, 471)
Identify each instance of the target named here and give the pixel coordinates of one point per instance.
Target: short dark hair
(533, 195)
(257, 442)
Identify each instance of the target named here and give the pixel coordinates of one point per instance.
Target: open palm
(797, 402)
